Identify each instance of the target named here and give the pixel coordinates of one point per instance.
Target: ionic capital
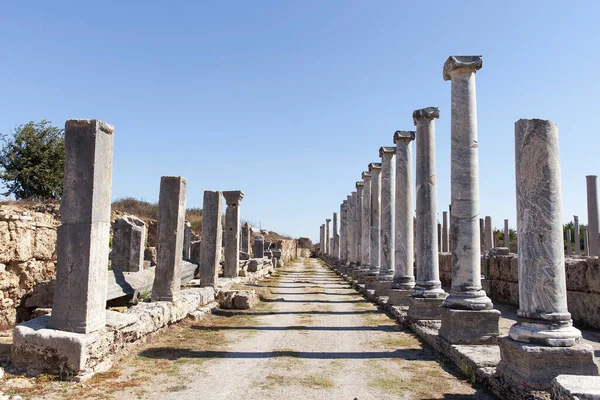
(427, 112)
(454, 63)
(404, 136)
(386, 150)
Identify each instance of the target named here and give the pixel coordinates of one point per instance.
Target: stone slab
(469, 326)
(424, 308)
(572, 387)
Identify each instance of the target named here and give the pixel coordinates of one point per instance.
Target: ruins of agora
(427, 298)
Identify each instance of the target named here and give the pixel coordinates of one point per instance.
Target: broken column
(427, 295)
(543, 339)
(327, 237)
(83, 236)
(259, 244)
(388, 220)
(232, 233)
(592, 208)
(445, 246)
(375, 222)
(245, 239)
(467, 314)
(404, 277)
(365, 241)
(212, 231)
(187, 240)
(577, 238)
(489, 233)
(336, 238)
(129, 241)
(171, 219)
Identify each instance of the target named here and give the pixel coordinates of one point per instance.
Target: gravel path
(312, 338)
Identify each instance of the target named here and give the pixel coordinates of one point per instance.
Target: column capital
(454, 63)
(404, 135)
(233, 197)
(366, 175)
(359, 184)
(328, 220)
(427, 112)
(387, 149)
(374, 166)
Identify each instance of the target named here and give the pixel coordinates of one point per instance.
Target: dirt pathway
(312, 338)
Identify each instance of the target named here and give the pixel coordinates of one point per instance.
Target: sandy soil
(312, 337)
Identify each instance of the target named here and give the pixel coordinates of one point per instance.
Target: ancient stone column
(375, 220)
(568, 242)
(343, 230)
(592, 208)
(210, 254)
(388, 220)
(544, 321)
(322, 239)
(404, 278)
(586, 243)
(171, 219)
(445, 246)
(232, 233)
(506, 235)
(467, 315)
(427, 295)
(245, 239)
(482, 235)
(350, 228)
(439, 236)
(489, 233)
(336, 238)
(359, 221)
(355, 229)
(365, 241)
(83, 236)
(187, 240)
(259, 244)
(577, 238)
(327, 237)
(129, 243)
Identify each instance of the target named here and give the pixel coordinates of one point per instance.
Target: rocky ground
(312, 337)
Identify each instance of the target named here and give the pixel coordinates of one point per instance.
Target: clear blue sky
(290, 100)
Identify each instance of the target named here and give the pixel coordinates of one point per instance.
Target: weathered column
(210, 253)
(355, 229)
(586, 243)
(232, 233)
(375, 221)
(489, 233)
(187, 240)
(445, 246)
(336, 238)
(171, 219)
(365, 241)
(404, 277)
(427, 295)
(577, 238)
(506, 235)
(482, 235)
(543, 336)
(467, 315)
(245, 239)
(350, 229)
(82, 248)
(388, 220)
(359, 220)
(592, 208)
(343, 231)
(129, 243)
(568, 247)
(327, 237)
(439, 236)
(259, 244)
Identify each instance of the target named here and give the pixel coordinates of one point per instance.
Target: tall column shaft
(466, 292)
(506, 235)
(577, 238)
(388, 212)
(428, 276)
(322, 239)
(489, 233)
(327, 237)
(232, 233)
(365, 242)
(83, 236)
(343, 230)
(586, 243)
(542, 282)
(359, 224)
(212, 233)
(592, 208)
(445, 246)
(568, 243)
(353, 237)
(404, 277)
(375, 222)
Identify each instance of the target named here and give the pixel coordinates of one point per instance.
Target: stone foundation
(469, 327)
(420, 308)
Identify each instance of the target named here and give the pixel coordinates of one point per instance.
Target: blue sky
(290, 100)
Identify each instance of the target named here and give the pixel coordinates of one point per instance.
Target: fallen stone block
(572, 387)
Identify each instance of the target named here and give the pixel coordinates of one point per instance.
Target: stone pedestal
(423, 308)
(232, 233)
(533, 366)
(129, 241)
(82, 247)
(211, 238)
(398, 297)
(259, 246)
(469, 326)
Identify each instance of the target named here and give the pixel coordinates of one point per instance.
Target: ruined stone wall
(27, 254)
(502, 283)
(288, 249)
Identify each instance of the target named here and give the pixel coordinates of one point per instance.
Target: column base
(551, 333)
(398, 297)
(533, 366)
(360, 274)
(470, 300)
(423, 308)
(469, 326)
(382, 288)
(369, 280)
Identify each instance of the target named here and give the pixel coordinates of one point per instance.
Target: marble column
(427, 295)
(365, 242)
(388, 220)
(327, 237)
(83, 236)
(375, 221)
(343, 229)
(577, 238)
(544, 322)
(482, 235)
(439, 236)
(586, 243)
(489, 233)
(322, 239)
(232, 233)
(467, 314)
(445, 246)
(404, 277)
(592, 208)
(212, 234)
(335, 250)
(350, 229)
(506, 235)
(359, 220)
(568, 243)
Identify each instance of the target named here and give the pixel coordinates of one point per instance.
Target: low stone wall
(501, 282)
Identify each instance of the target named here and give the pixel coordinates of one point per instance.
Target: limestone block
(45, 244)
(195, 250)
(129, 239)
(420, 308)
(505, 292)
(22, 235)
(469, 326)
(576, 269)
(575, 387)
(592, 275)
(6, 245)
(42, 295)
(239, 299)
(584, 308)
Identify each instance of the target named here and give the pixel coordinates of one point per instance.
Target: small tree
(32, 161)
